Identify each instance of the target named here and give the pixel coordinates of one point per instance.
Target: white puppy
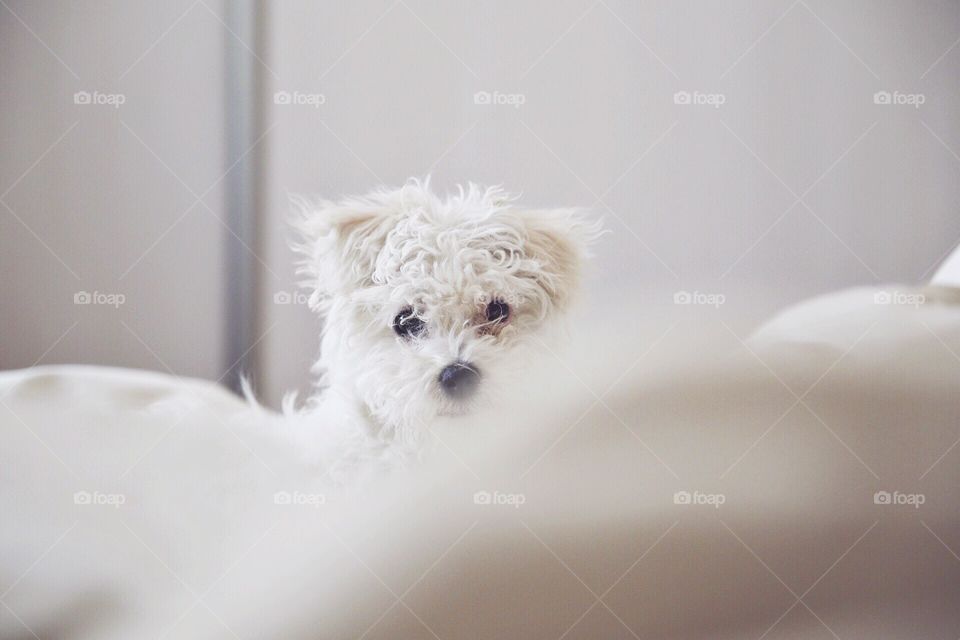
(428, 302)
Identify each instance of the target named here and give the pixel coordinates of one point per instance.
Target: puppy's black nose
(458, 380)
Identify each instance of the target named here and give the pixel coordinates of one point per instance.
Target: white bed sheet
(138, 505)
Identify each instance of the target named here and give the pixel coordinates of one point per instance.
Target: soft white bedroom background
(106, 198)
(790, 180)
(798, 183)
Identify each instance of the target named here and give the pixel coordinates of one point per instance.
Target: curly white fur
(366, 259)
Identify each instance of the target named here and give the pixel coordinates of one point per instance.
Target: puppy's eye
(407, 325)
(498, 311)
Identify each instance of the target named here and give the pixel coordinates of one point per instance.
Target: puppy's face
(430, 302)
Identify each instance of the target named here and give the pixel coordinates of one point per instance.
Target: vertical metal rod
(241, 84)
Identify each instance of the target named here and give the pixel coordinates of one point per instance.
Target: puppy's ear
(340, 243)
(559, 240)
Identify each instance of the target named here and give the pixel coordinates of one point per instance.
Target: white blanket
(799, 485)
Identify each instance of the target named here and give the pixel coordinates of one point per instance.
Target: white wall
(102, 198)
(697, 197)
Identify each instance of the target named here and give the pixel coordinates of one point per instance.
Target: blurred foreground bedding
(658, 479)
